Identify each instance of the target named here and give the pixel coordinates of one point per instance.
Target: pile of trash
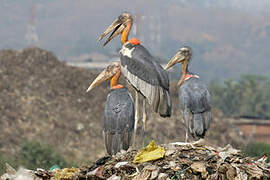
(169, 161)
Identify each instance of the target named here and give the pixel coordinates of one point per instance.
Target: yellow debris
(66, 173)
(151, 152)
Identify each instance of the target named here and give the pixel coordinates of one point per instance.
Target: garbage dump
(168, 161)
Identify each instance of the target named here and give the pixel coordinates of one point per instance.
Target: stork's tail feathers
(198, 122)
(165, 105)
(115, 142)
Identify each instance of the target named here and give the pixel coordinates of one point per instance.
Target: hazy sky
(228, 35)
(69, 20)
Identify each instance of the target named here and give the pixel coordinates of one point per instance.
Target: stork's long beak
(106, 74)
(175, 59)
(103, 76)
(117, 27)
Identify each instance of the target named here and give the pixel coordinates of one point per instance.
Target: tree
(250, 96)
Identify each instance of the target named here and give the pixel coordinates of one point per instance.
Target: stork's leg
(144, 121)
(136, 116)
(185, 114)
(186, 140)
(144, 114)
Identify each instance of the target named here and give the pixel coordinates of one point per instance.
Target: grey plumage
(195, 106)
(147, 76)
(118, 123)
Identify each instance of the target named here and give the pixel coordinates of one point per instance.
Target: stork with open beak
(118, 122)
(141, 70)
(193, 95)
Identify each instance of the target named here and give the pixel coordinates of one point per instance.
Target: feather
(158, 97)
(146, 76)
(195, 106)
(118, 122)
(115, 142)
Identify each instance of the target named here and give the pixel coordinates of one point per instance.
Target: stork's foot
(186, 140)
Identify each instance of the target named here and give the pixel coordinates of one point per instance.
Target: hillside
(43, 99)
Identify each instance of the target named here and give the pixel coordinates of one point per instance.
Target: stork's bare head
(105, 75)
(117, 27)
(182, 55)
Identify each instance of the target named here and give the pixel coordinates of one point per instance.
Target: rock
(24, 174)
(114, 177)
(10, 170)
(118, 165)
(163, 176)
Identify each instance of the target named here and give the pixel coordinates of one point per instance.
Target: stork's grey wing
(195, 95)
(195, 98)
(207, 119)
(147, 76)
(119, 111)
(118, 123)
(143, 65)
(115, 142)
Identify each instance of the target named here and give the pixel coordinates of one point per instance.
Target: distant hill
(43, 99)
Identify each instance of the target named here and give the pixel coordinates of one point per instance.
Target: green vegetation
(256, 149)
(32, 155)
(6, 158)
(250, 96)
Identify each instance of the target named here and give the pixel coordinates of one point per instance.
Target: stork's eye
(122, 18)
(186, 52)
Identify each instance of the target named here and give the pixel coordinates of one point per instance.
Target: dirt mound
(44, 99)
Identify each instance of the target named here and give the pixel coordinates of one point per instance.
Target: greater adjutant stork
(118, 122)
(193, 95)
(141, 69)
